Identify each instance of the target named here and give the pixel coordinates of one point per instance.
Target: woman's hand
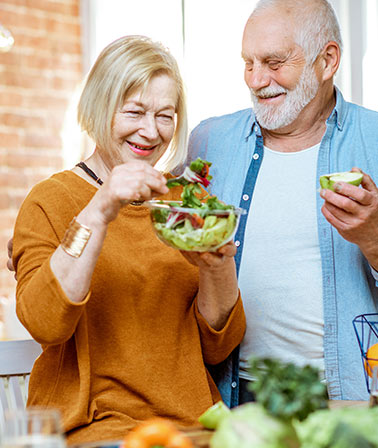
(211, 259)
(218, 286)
(133, 181)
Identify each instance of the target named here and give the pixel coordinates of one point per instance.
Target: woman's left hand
(211, 259)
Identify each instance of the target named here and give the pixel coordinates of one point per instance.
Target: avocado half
(328, 180)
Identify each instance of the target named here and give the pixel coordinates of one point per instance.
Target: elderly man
(307, 261)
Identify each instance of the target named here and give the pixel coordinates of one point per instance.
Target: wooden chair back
(16, 362)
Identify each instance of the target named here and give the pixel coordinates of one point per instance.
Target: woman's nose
(148, 128)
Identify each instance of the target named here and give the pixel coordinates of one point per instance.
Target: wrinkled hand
(133, 181)
(211, 259)
(353, 211)
(10, 261)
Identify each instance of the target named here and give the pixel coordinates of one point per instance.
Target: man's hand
(353, 211)
(10, 261)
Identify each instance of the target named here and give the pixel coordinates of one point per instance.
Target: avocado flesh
(328, 180)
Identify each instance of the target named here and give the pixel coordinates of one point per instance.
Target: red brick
(67, 7)
(33, 160)
(23, 78)
(31, 140)
(22, 121)
(4, 201)
(9, 141)
(60, 83)
(14, 179)
(8, 218)
(37, 81)
(51, 43)
(9, 98)
(7, 283)
(62, 27)
(48, 102)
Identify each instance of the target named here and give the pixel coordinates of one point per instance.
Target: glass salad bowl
(193, 229)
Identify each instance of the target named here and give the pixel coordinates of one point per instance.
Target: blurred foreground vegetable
(250, 426)
(157, 432)
(287, 391)
(340, 428)
(211, 418)
(285, 394)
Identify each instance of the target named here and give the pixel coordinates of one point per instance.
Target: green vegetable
(345, 436)
(184, 237)
(189, 198)
(198, 165)
(212, 417)
(327, 181)
(322, 428)
(287, 391)
(213, 203)
(250, 426)
(209, 231)
(197, 172)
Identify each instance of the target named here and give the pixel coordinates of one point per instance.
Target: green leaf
(198, 164)
(287, 391)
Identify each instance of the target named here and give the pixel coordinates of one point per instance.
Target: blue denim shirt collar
(339, 113)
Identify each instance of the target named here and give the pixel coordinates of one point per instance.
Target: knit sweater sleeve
(218, 344)
(42, 306)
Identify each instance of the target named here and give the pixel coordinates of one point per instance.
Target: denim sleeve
(375, 275)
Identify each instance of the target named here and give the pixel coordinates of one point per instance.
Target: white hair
(316, 19)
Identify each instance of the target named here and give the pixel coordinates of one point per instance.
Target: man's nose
(257, 77)
(148, 128)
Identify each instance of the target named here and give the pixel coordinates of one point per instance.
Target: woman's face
(145, 124)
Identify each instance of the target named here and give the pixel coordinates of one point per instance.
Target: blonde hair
(317, 23)
(128, 64)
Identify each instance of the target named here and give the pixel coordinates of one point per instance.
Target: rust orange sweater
(136, 346)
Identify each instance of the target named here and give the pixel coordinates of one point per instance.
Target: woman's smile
(141, 150)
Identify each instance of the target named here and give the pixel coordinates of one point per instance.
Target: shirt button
(233, 384)
(245, 197)
(237, 243)
(255, 156)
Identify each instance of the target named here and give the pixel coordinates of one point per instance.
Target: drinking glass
(32, 428)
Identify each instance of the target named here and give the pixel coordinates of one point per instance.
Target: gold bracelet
(75, 239)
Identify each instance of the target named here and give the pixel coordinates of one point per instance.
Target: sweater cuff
(218, 344)
(46, 311)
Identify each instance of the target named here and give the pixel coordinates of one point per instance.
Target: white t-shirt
(280, 274)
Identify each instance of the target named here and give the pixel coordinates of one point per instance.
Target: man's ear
(330, 60)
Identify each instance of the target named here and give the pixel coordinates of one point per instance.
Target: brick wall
(37, 80)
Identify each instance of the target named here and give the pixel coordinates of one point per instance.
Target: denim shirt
(234, 145)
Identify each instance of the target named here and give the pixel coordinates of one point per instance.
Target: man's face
(280, 80)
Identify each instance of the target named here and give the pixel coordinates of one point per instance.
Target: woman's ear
(330, 60)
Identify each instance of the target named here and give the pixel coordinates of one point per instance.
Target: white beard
(275, 117)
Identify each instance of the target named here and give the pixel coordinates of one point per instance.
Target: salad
(192, 224)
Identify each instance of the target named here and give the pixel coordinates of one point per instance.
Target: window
(205, 37)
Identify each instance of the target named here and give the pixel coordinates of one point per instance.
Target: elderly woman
(126, 323)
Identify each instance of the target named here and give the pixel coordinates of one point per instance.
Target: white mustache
(268, 92)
